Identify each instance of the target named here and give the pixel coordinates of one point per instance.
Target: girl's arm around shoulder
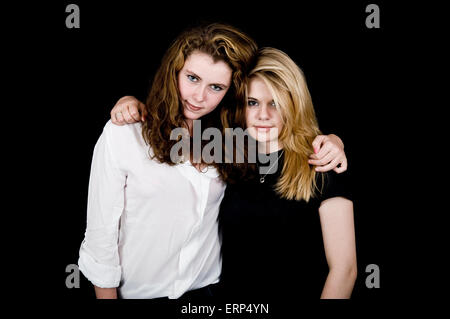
(338, 231)
(128, 110)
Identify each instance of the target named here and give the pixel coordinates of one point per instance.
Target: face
(263, 120)
(202, 84)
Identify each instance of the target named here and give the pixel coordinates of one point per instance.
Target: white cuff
(101, 275)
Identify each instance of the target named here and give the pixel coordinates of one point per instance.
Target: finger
(127, 116)
(113, 117)
(326, 148)
(118, 115)
(345, 163)
(318, 142)
(339, 169)
(324, 160)
(144, 113)
(134, 112)
(328, 167)
(343, 166)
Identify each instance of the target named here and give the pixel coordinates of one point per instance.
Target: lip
(192, 107)
(263, 128)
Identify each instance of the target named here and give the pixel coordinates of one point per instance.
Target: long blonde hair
(287, 84)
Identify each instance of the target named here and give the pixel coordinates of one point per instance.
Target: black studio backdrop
(350, 71)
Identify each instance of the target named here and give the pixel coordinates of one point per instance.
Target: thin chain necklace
(261, 180)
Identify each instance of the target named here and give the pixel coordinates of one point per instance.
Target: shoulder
(124, 140)
(122, 134)
(111, 128)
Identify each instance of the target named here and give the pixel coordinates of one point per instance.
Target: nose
(263, 113)
(199, 94)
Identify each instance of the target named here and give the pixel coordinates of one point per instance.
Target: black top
(273, 247)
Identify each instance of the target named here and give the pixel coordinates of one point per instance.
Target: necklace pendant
(261, 180)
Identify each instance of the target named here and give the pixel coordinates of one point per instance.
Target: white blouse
(151, 228)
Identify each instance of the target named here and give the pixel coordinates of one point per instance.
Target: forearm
(339, 284)
(105, 293)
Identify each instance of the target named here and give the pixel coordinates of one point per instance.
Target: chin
(191, 116)
(262, 138)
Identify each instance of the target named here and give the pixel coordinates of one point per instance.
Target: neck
(189, 125)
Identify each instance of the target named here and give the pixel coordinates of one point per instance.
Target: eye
(216, 88)
(273, 104)
(252, 103)
(192, 78)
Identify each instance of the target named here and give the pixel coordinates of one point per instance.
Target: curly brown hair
(163, 105)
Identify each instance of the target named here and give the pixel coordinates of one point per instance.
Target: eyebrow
(218, 84)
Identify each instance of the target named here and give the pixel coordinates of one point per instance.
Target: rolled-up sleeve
(99, 258)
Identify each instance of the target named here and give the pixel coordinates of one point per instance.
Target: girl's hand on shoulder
(328, 154)
(128, 110)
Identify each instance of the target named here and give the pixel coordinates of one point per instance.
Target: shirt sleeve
(99, 258)
(332, 184)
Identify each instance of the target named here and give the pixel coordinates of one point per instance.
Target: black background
(73, 78)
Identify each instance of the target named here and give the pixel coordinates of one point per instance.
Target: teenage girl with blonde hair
(289, 232)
